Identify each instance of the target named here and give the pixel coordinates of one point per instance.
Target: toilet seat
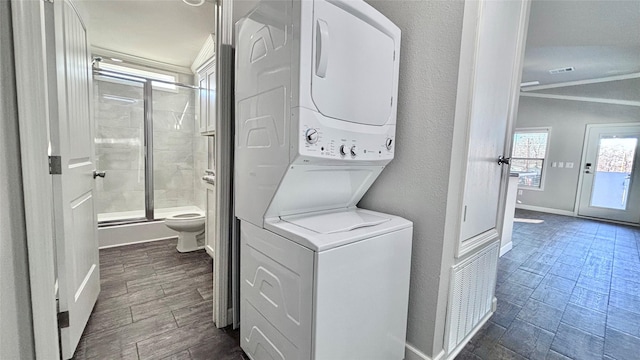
(187, 216)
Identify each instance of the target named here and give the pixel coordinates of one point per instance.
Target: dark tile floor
(569, 289)
(155, 303)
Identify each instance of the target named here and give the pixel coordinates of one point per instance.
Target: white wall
(568, 120)
(16, 336)
(415, 183)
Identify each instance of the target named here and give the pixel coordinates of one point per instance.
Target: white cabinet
(210, 224)
(207, 98)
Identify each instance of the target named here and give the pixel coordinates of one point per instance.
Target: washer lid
(336, 222)
(322, 231)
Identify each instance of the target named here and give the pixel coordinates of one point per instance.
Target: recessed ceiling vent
(562, 70)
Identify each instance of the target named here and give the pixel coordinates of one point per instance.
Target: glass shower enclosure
(148, 143)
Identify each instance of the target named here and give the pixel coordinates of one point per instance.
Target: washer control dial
(311, 135)
(389, 143)
(343, 150)
(354, 150)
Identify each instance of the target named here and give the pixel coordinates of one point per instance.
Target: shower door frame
(147, 98)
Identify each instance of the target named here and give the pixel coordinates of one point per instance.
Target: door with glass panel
(610, 177)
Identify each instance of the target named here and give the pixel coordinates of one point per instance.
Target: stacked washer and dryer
(316, 94)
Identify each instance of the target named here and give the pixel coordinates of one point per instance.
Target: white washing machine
(316, 93)
(326, 286)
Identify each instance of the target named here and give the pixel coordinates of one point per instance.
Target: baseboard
(545, 210)
(113, 236)
(506, 248)
(411, 353)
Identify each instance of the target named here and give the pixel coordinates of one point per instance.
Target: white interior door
(499, 40)
(610, 177)
(72, 139)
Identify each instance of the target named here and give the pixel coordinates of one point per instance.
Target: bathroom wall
(179, 150)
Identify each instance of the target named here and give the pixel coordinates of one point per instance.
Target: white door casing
(71, 138)
(588, 203)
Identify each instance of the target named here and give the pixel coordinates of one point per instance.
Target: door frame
(32, 69)
(583, 161)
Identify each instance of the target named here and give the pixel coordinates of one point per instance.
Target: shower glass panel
(119, 147)
(179, 152)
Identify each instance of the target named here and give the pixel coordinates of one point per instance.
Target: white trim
(569, 213)
(28, 19)
(412, 353)
(506, 248)
(583, 82)
(582, 98)
(140, 60)
(207, 52)
(224, 166)
(545, 210)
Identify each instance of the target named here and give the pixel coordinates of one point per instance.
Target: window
(165, 83)
(528, 156)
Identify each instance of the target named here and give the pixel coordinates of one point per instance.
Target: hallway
(569, 289)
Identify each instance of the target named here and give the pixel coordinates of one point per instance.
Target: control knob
(311, 135)
(353, 150)
(343, 150)
(389, 143)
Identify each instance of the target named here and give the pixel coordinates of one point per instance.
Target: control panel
(320, 139)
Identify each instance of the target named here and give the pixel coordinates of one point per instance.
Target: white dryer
(316, 93)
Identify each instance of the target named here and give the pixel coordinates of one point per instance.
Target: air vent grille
(562, 70)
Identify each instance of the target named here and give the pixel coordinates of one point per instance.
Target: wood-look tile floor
(569, 289)
(155, 303)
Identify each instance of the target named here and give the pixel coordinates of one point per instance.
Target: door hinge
(55, 165)
(63, 320)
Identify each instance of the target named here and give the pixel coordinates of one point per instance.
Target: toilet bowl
(190, 228)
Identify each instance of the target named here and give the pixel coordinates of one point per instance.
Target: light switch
(569, 165)
(560, 164)
(554, 164)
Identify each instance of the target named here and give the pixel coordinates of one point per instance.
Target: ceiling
(167, 31)
(598, 38)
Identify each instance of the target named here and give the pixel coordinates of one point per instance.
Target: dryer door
(354, 77)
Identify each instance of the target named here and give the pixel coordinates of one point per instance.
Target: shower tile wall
(119, 147)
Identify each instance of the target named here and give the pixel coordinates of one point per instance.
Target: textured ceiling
(167, 31)
(598, 38)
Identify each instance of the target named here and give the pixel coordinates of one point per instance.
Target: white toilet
(190, 228)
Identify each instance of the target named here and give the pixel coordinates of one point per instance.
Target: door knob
(503, 160)
(97, 173)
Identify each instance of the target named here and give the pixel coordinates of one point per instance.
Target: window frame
(543, 172)
(166, 80)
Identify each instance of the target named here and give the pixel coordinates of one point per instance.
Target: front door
(610, 177)
(71, 139)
